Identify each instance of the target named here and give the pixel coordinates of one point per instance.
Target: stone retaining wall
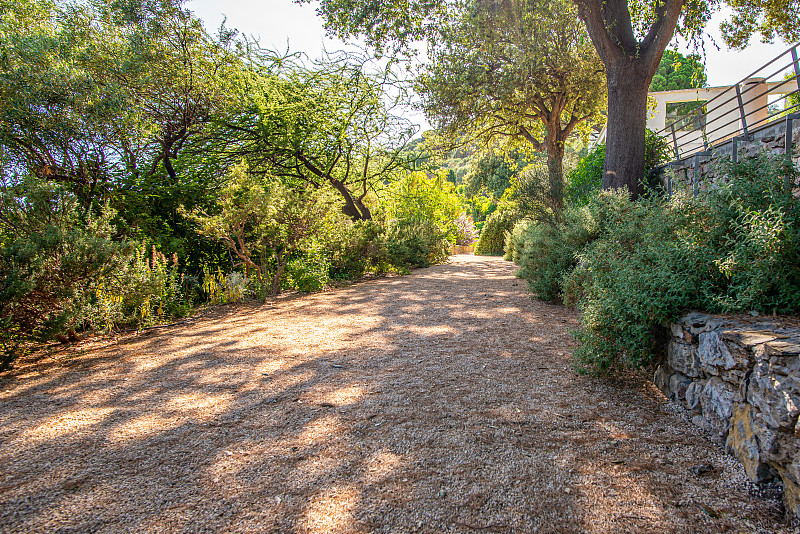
(770, 138)
(740, 380)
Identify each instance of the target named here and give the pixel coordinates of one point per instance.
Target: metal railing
(734, 112)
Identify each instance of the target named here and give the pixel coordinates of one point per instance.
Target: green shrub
(493, 236)
(352, 248)
(416, 243)
(657, 152)
(52, 252)
(309, 271)
(754, 231)
(221, 288)
(586, 179)
(547, 251)
(144, 289)
(642, 271)
(733, 249)
(62, 271)
(416, 196)
(536, 197)
(264, 222)
(515, 243)
(422, 212)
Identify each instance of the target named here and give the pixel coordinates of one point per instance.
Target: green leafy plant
(586, 179)
(642, 271)
(353, 248)
(676, 71)
(753, 227)
(309, 271)
(417, 197)
(414, 243)
(548, 251)
(221, 288)
(631, 266)
(144, 289)
(62, 270)
(422, 213)
(493, 236)
(515, 242)
(536, 195)
(263, 222)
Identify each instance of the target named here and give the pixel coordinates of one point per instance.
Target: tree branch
(591, 12)
(660, 33)
(524, 132)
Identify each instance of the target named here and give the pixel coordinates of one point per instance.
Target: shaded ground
(437, 402)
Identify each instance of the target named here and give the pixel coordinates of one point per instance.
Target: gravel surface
(442, 401)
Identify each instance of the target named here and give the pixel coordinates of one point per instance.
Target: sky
(274, 22)
(278, 22)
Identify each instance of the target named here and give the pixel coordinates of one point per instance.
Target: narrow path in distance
(442, 401)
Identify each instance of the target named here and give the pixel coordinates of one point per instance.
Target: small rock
(702, 469)
(442, 492)
(698, 421)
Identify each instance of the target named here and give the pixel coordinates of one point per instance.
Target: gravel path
(442, 401)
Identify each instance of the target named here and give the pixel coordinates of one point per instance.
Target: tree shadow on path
(442, 401)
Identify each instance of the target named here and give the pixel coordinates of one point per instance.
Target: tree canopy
(676, 71)
(328, 124)
(388, 23)
(522, 69)
(630, 39)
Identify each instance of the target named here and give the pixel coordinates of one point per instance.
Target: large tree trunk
(628, 83)
(555, 172)
(630, 65)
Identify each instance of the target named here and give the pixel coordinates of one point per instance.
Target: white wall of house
(724, 119)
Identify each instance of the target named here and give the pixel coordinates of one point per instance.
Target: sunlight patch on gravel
(320, 431)
(200, 405)
(342, 396)
(67, 423)
(381, 465)
(331, 511)
(140, 427)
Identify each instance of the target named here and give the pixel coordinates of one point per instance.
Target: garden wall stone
(739, 379)
(770, 139)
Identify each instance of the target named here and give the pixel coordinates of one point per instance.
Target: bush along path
(443, 401)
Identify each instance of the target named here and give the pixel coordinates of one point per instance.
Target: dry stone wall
(770, 139)
(740, 380)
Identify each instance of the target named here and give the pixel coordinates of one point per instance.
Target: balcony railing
(732, 113)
